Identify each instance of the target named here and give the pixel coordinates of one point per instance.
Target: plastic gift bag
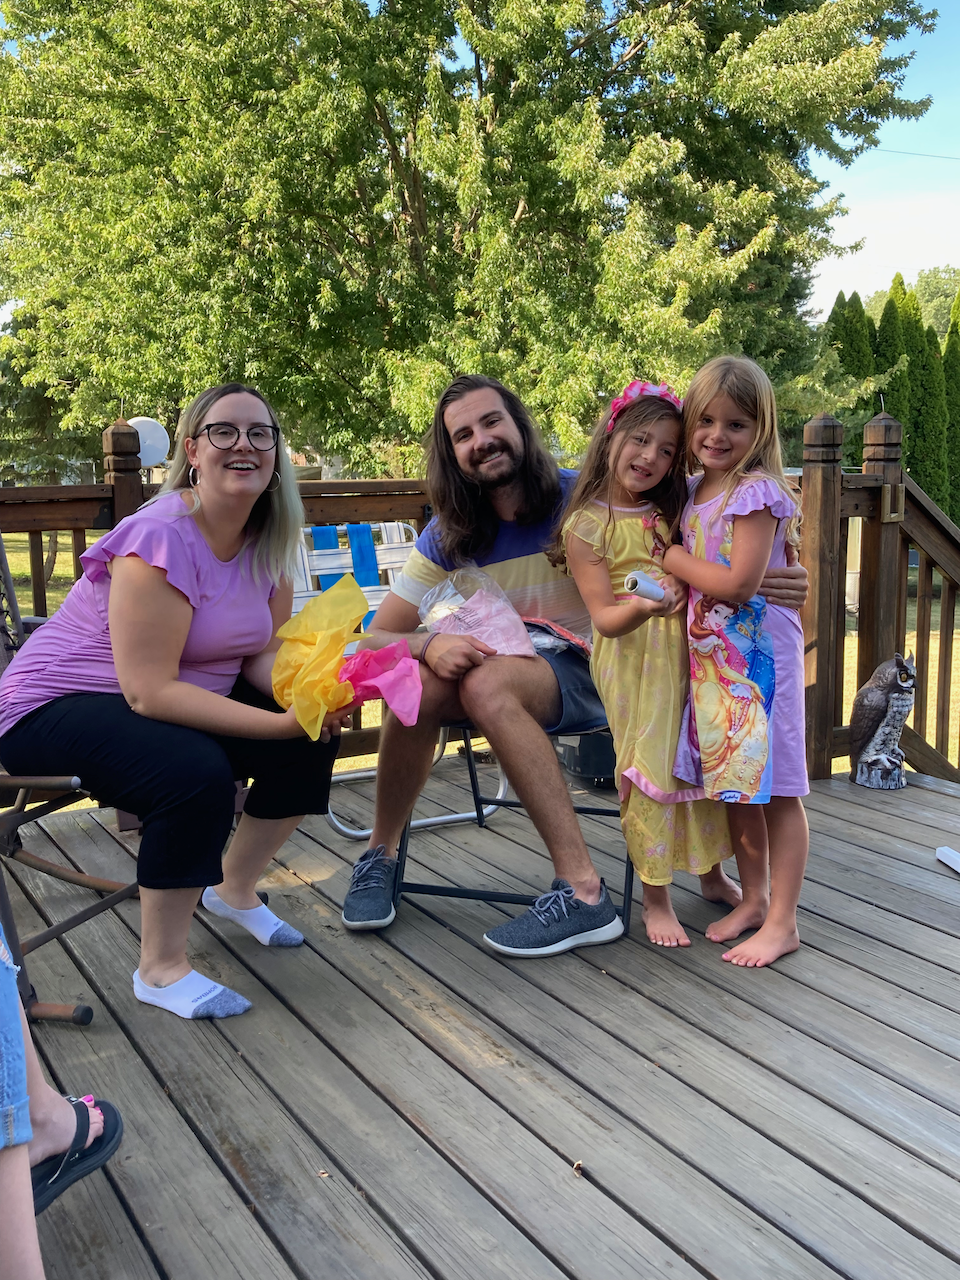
(306, 670)
(470, 603)
(389, 673)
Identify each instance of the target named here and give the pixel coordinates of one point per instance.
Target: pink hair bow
(633, 390)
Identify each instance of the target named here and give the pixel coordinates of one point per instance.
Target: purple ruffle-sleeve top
(72, 653)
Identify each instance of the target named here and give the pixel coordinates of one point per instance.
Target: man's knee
(492, 693)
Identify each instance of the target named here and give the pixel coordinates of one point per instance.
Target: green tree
(345, 203)
(935, 289)
(34, 447)
(890, 350)
(915, 345)
(951, 377)
(928, 453)
(857, 358)
(836, 322)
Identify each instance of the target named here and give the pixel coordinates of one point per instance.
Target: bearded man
(497, 496)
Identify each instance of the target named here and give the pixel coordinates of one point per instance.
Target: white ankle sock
(192, 997)
(260, 921)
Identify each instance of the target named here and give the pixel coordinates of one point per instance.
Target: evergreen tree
(951, 377)
(898, 290)
(836, 324)
(915, 345)
(896, 396)
(872, 336)
(928, 454)
(856, 357)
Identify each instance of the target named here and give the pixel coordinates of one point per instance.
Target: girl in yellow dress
(629, 496)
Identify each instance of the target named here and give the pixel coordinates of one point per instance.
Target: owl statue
(880, 710)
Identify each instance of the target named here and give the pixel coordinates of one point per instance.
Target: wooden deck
(411, 1106)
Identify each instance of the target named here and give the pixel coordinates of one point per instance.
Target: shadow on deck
(410, 1105)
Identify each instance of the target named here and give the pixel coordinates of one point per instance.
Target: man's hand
(451, 657)
(787, 587)
(335, 721)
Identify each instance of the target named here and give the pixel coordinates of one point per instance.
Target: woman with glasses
(152, 683)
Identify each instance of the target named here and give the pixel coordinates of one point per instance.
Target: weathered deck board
(796, 1123)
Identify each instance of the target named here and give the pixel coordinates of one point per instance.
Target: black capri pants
(178, 781)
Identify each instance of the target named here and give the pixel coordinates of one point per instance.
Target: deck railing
(35, 509)
(906, 542)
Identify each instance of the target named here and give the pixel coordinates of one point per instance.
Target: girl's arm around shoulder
(750, 549)
(610, 616)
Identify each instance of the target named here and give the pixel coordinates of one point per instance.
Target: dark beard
(500, 481)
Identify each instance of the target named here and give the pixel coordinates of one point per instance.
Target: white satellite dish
(154, 441)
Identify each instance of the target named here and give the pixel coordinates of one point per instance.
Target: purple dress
(744, 727)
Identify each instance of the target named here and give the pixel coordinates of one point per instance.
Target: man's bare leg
(748, 834)
(509, 700)
(406, 757)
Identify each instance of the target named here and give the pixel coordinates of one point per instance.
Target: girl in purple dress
(745, 723)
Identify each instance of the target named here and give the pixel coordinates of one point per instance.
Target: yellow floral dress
(643, 679)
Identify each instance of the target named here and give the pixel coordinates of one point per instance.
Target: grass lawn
(18, 554)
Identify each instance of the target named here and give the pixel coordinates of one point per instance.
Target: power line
(923, 155)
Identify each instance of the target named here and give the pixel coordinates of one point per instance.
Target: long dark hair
(466, 518)
(596, 479)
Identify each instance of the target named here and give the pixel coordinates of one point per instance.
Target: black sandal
(57, 1172)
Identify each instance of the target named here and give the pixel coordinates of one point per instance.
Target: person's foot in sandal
(97, 1128)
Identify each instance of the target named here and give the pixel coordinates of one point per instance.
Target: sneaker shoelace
(371, 873)
(554, 904)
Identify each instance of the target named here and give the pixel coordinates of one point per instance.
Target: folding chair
(45, 795)
(485, 807)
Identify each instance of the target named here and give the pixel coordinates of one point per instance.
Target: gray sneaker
(369, 900)
(557, 922)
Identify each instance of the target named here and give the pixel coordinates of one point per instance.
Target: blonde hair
(596, 479)
(273, 528)
(752, 392)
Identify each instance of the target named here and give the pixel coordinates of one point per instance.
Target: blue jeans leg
(14, 1103)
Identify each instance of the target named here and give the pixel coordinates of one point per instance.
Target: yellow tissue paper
(307, 663)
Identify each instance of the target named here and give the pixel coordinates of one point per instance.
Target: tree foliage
(34, 447)
(889, 351)
(347, 203)
(928, 453)
(935, 289)
(951, 377)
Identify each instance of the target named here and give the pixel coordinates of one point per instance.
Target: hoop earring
(193, 477)
(276, 486)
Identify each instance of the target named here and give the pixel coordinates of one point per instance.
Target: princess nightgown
(642, 680)
(743, 734)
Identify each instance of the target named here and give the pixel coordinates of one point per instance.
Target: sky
(903, 207)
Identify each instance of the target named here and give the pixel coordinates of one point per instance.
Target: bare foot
(716, 886)
(772, 942)
(748, 915)
(659, 918)
(55, 1125)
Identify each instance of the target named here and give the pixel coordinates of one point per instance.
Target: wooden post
(820, 554)
(121, 468)
(881, 550)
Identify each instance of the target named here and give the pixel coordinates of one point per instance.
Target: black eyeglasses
(224, 435)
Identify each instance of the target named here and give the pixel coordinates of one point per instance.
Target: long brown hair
(597, 471)
(466, 518)
(751, 391)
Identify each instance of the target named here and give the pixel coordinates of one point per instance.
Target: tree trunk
(50, 562)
